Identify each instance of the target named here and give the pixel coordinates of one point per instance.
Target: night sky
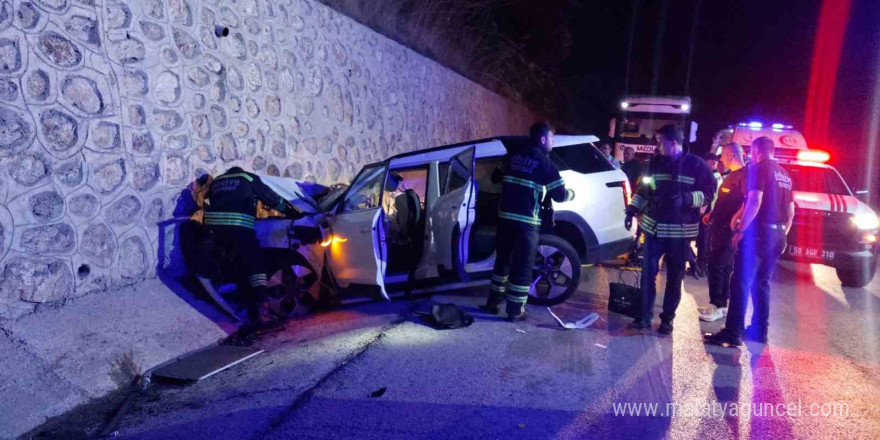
(567, 59)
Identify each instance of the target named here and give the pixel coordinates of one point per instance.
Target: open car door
(356, 249)
(450, 214)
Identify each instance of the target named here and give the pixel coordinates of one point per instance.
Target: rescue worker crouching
(668, 204)
(230, 215)
(528, 173)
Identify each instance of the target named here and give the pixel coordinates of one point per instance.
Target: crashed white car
(426, 221)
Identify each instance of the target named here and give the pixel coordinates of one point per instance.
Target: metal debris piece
(206, 363)
(583, 323)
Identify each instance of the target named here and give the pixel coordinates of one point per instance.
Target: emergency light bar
(813, 156)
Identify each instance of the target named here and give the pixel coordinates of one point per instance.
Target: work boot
(665, 328)
(493, 304)
(639, 324)
(712, 313)
(517, 317)
(724, 338)
(755, 334)
(516, 312)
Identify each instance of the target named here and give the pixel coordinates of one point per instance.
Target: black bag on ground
(447, 316)
(624, 298)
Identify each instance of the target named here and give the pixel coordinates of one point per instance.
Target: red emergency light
(813, 156)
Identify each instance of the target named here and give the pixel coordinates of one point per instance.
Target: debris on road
(446, 316)
(520, 330)
(378, 393)
(583, 323)
(600, 345)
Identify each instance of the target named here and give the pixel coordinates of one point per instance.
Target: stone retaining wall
(108, 108)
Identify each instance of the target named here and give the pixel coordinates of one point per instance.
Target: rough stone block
(98, 244)
(36, 280)
(56, 238)
(59, 50)
(16, 131)
(133, 259)
(83, 205)
(108, 177)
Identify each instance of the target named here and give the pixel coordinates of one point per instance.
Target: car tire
(859, 276)
(557, 272)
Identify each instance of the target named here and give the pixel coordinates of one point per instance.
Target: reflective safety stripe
(499, 279)
(698, 199)
(669, 230)
(519, 218)
(229, 219)
(523, 182)
(259, 279)
(517, 299)
(242, 175)
(668, 177)
(497, 288)
(518, 288)
(555, 184)
(638, 202)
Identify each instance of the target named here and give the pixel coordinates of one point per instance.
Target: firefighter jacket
(233, 199)
(671, 194)
(528, 172)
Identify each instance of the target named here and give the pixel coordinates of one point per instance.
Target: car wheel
(557, 272)
(860, 275)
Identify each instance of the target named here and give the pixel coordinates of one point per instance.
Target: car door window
(460, 170)
(366, 190)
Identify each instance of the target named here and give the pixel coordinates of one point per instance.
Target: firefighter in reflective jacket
(668, 204)
(528, 173)
(231, 215)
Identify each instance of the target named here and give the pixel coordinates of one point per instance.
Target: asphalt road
(532, 380)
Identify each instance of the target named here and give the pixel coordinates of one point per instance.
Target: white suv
(426, 221)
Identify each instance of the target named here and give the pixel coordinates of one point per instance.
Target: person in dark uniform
(702, 257)
(528, 173)
(231, 215)
(631, 167)
(668, 204)
(759, 238)
(727, 203)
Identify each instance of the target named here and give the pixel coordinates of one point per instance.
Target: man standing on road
(727, 203)
(668, 204)
(631, 167)
(702, 258)
(528, 173)
(606, 150)
(760, 228)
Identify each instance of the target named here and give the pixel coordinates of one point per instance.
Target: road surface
(818, 377)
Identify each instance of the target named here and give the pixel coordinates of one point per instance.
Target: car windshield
(327, 200)
(582, 158)
(816, 180)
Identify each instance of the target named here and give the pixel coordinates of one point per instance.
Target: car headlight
(866, 220)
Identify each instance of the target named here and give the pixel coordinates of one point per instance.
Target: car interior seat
(406, 232)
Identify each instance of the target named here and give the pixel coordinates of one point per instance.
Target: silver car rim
(552, 272)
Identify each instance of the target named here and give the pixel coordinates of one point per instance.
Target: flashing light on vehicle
(685, 107)
(778, 126)
(871, 238)
(333, 239)
(755, 124)
(866, 221)
(813, 156)
(624, 105)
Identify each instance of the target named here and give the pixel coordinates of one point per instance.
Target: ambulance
(831, 226)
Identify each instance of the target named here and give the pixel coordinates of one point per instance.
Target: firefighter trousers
(515, 247)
